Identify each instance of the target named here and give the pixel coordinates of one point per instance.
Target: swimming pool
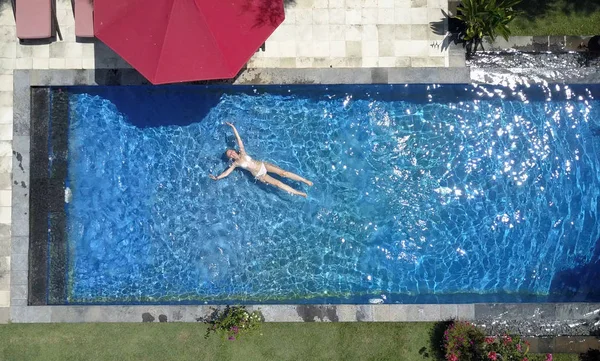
(451, 193)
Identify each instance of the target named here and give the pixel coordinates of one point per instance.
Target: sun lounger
(84, 19)
(34, 19)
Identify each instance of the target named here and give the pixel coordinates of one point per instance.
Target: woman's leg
(275, 169)
(277, 183)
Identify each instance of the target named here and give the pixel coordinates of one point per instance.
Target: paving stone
(338, 32)
(304, 32)
(320, 33)
(7, 65)
(30, 314)
(5, 197)
(73, 63)
(354, 33)
(385, 16)
(8, 50)
(19, 277)
(41, 51)
(4, 298)
(320, 16)
(337, 16)
(403, 62)
(379, 76)
(304, 48)
(56, 63)
(6, 114)
(418, 16)
(448, 312)
(18, 292)
(6, 101)
(6, 133)
(387, 61)
(41, 63)
(386, 48)
(58, 50)
(281, 313)
(577, 311)
(19, 262)
(369, 33)
(6, 82)
(370, 61)
(386, 32)
(24, 63)
(5, 181)
(287, 48)
(4, 315)
(337, 49)
(304, 17)
(370, 48)
(5, 246)
(402, 16)
(5, 215)
(353, 17)
(323, 62)
(287, 62)
(8, 33)
(466, 312)
(320, 48)
(88, 63)
(369, 16)
(402, 32)
(354, 49)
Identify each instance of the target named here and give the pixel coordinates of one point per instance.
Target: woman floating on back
(259, 169)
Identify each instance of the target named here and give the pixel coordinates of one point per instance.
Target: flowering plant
(463, 342)
(234, 321)
(510, 348)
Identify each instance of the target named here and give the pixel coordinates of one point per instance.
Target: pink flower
(231, 338)
(507, 339)
(489, 340)
(492, 355)
(525, 359)
(548, 357)
(519, 347)
(452, 357)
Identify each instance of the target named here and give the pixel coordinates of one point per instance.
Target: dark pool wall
(49, 127)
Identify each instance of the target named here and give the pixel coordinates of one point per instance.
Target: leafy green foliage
(486, 18)
(234, 321)
(463, 342)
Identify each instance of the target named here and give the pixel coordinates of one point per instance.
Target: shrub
(463, 342)
(485, 18)
(234, 321)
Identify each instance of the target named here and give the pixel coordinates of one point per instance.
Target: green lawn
(558, 17)
(184, 341)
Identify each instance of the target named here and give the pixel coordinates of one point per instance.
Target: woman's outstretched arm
(224, 174)
(237, 136)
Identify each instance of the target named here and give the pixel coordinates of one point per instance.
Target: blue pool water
(443, 193)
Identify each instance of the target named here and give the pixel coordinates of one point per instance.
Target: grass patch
(181, 341)
(185, 341)
(558, 17)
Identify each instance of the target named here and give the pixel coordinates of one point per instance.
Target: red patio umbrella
(184, 40)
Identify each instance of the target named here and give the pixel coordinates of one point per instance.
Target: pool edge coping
(20, 312)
